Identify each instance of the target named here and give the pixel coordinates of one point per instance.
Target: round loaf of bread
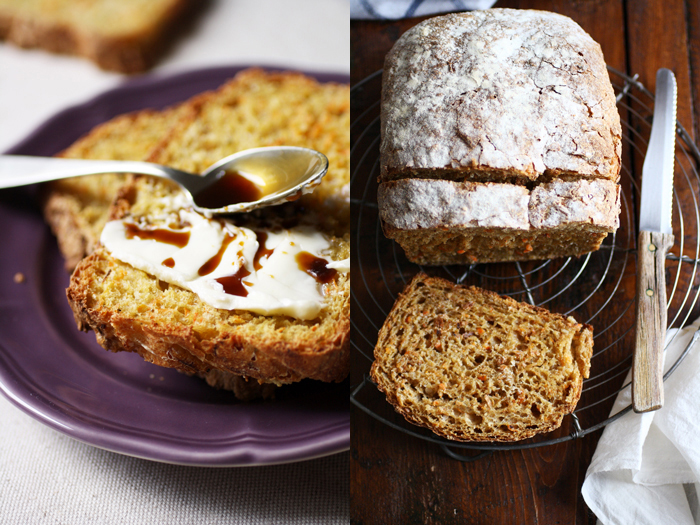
(498, 95)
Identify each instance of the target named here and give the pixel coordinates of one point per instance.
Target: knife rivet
(652, 248)
(650, 292)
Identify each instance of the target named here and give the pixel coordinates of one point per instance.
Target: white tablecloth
(46, 477)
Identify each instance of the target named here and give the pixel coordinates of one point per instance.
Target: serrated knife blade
(657, 172)
(655, 238)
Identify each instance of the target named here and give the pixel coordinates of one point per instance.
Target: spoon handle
(19, 170)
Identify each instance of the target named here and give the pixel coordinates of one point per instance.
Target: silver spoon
(270, 176)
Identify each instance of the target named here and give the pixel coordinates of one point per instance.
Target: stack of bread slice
(131, 310)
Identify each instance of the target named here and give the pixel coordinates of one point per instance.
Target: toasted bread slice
(125, 36)
(471, 365)
(130, 310)
(170, 326)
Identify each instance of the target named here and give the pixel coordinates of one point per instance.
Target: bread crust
(471, 365)
(446, 222)
(498, 94)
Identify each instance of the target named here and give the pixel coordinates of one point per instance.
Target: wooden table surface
(396, 478)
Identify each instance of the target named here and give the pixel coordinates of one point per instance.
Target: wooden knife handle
(650, 334)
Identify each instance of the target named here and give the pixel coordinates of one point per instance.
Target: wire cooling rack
(594, 288)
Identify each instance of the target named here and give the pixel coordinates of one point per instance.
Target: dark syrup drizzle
(262, 251)
(213, 263)
(233, 284)
(179, 239)
(316, 267)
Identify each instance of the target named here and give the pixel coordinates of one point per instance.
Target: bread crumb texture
(259, 109)
(471, 365)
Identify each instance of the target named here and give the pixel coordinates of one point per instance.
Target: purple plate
(118, 402)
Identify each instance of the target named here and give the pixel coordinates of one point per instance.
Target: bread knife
(655, 238)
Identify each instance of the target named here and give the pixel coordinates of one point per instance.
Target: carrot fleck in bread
(471, 365)
(119, 35)
(514, 97)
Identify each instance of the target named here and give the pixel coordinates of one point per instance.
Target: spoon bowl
(241, 182)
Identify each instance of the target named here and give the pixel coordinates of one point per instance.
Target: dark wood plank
(658, 36)
(692, 9)
(602, 19)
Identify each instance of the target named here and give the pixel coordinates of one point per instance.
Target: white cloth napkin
(646, 468)
(394, 9)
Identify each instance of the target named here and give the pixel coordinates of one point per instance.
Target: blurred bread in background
(126, 36)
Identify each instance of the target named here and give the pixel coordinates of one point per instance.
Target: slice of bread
(471, 365)
(120, 35)
(130, 310)
(133, 311)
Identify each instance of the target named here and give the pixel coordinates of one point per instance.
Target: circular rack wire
(592, 287)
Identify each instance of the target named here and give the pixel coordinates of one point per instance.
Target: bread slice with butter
(132, 310)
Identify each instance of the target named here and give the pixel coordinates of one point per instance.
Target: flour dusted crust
(473, 366)
(565, 202)
(445, 222)
(501, 139)
(513, 94)
(415, 204)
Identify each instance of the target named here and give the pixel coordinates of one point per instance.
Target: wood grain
(647, 370)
